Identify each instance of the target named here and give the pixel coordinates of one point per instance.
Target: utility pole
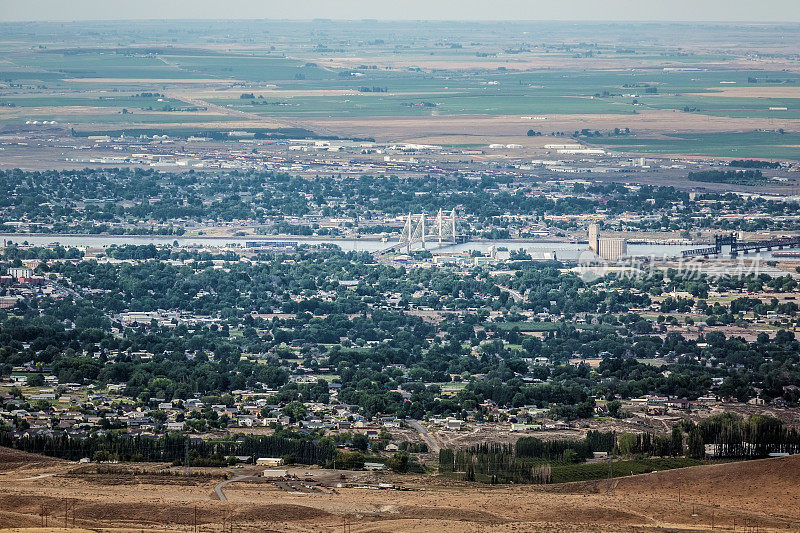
(44, 514)
(69, 506)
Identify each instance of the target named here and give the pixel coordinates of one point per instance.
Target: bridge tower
(418, 230)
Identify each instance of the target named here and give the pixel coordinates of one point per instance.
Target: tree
(696, 446)
(470, 473)
(350, 460)
(101, 456)
(614, 407)
(676, 441)
(360, 442)
(398, 462)
(627, 443)
(295, 411)
(570, 456)
(446, 460)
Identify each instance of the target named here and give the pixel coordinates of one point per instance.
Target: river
(563, 250)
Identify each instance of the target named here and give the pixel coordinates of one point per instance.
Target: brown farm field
(147, 497)
(752, 92)
(480, 127)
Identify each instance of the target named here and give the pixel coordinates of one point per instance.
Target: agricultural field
(727, 144)
(311, 75)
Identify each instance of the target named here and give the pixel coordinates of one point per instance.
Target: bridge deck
(744, 247)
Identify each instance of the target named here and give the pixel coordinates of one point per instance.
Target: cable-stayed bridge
(421, 229)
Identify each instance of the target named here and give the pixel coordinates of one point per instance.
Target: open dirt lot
(762, 494)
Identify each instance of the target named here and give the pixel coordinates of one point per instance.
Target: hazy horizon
(768, 11)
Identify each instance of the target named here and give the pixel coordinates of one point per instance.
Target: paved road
(218, 487)
(516, 295)
(432, 445)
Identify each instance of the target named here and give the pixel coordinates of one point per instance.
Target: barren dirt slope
(121, 498)
(768, 485)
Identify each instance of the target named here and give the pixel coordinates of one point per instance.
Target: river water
(563, 250)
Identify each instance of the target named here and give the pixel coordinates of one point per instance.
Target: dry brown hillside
(769, 485)
(11, 459)
(148, 497)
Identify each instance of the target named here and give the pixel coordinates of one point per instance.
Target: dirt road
(219, 486)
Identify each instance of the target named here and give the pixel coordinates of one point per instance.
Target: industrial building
(610, 249)
(594, 238)
(269, 461)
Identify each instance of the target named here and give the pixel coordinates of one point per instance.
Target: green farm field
(770, 145)
(312, 72)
